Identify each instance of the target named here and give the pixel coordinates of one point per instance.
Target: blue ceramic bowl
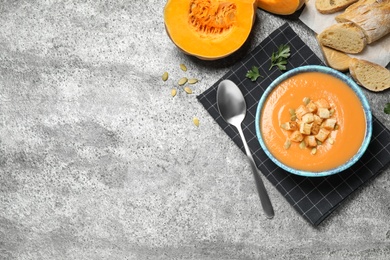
(351, 84)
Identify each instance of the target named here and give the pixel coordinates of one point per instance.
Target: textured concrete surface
(98, 161)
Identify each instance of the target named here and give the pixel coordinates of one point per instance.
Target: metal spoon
(232, 107)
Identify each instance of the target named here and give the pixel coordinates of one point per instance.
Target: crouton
(300, 111)
(296, 136)
(330, 123)
(317, 120)
(310, 141)
(315, 128)
(322, 134)
(308, 118)
(323, 112)
(312, 107)
(322, 103)
(305, 128)
(290, 126)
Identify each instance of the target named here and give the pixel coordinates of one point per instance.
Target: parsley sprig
(253, 73)
(387, 109)
(279, 57)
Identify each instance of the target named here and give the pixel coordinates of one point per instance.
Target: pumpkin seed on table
(173, 92)
(195, 120)
(188, 90)
(183, 67)
(192, 81)
(182, 81)
(164, 76)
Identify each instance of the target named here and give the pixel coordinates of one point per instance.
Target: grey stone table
(98, 161)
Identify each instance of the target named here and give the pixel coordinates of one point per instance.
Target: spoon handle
(264, 198)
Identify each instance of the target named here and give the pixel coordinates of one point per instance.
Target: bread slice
(372, 16)
(335, 59)
(370, 75)
(332, 6)
(344, 37)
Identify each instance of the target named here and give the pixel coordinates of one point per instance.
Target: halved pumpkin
(209, 29)
(281, 7)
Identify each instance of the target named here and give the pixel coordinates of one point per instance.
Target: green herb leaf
(279, 57)
(253, 73)
(387, 108)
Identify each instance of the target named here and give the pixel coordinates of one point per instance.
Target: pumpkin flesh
(209, 29)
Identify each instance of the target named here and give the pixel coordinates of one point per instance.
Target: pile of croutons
(311, 124)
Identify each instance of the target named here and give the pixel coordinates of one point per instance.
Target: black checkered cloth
(314, 198)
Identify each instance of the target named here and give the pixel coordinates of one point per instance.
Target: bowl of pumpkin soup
(313, 121)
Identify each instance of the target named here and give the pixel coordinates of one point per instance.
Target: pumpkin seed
(302, 145)
(183, 81)
(293, 116)
(183, 67)
(173, 92)
(165, 76)
(188, 90)
(196, 121)
(292, 111)
(331, 111)
(287, 144)
(192, 81)
(313, 151)
(330, 140)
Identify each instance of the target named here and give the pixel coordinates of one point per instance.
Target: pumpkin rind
(209, 29)
(281, 7)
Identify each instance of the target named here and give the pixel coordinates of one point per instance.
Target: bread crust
(335, 59)
(372, 16)
(344, 37)
(332, 6)
(370, 75)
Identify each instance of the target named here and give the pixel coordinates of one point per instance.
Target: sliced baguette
(332, 6)
(372, 16)
(370, 75)
(335, 59)
(344, 37)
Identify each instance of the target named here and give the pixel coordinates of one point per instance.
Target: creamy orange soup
(347, 137)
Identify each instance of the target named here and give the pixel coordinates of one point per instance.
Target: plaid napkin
(313, 198)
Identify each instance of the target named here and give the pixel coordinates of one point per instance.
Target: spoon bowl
(231, 103)
(232, 107)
